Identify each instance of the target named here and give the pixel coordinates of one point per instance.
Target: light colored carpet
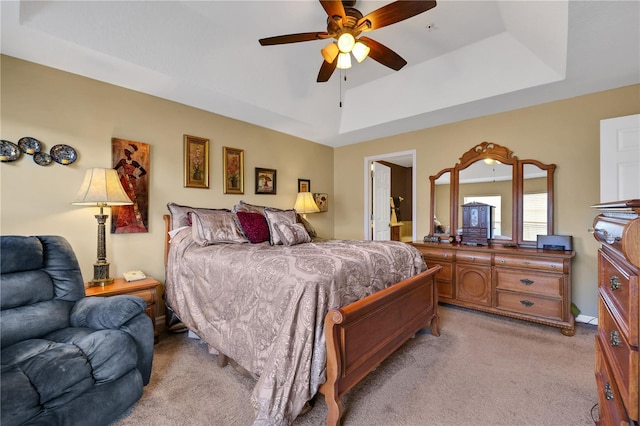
(482, 370)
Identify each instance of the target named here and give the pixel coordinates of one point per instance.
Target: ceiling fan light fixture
(344, 61)
(346, 41)
(360, 51)
(329, 52)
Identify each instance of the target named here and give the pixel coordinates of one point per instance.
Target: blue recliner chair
(66, 359)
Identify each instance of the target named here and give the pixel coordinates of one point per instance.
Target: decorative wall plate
(9, 151)
(29, 145)
(42, 158)
(63, 154)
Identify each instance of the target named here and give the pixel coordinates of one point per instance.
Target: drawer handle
(502, 260)
(552, 266)
(608, 392)
(526, 281)
(526, 263)
(614, 338)
(614, 281)
(445, 255)
(527, 303)
(472, 258)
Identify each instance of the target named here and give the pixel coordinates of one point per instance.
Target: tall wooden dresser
(617, 228)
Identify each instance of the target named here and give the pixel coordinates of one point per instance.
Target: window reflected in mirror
(534, 202)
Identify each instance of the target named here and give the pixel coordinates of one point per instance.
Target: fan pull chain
(343, 75)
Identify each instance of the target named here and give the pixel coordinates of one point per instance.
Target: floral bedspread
(264, 306)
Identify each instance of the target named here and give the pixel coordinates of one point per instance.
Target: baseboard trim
(585, 319)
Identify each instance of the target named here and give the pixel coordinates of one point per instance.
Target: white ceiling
(465, 58)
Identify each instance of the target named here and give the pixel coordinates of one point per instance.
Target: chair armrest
(106, 312)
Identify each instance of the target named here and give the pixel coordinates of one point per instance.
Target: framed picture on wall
(322, 200)
(233, 166)
(196, 162)
(131, 160)
(265, 181)
(304, 185)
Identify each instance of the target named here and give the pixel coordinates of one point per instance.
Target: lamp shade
(305, 203)
(329, 52)
(101, 187)
(360, 51)
(344, 61)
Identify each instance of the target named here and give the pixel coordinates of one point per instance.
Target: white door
(620, 158)
(381, 202)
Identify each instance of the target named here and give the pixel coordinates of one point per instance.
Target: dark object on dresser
(617, 228)
(477, 223)
(66, 358)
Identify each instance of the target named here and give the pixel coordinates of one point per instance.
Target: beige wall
(56, 107)
(566, 133)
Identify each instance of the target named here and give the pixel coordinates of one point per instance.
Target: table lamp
(305, 204)
(101, 188)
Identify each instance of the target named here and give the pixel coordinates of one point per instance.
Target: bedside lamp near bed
(305, 204)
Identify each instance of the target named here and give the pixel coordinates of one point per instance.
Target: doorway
(405, 159)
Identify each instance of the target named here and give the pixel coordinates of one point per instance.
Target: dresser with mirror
(508, 275)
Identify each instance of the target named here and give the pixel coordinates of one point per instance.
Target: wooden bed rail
(363, 334)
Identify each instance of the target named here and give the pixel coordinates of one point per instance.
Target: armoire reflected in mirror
(520, 190)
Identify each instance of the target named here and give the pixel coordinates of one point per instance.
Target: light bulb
(346, 42)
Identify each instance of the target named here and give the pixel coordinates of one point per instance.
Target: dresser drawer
(612, 411)
(546, 264)
(529, 304)
(473, 257)
(437, 254)
(620, 288)
(623, 359)
(527, 282)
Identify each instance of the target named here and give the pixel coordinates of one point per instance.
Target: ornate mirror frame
(492, 151)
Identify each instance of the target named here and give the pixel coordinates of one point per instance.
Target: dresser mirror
(521, 191)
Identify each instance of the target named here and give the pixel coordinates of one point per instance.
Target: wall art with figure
(131, 160)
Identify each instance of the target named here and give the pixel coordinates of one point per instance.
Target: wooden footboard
(363, 334)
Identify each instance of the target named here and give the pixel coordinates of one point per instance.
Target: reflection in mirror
(534, 202)
(489, 182)
(442, 204)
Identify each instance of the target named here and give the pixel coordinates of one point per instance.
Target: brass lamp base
(100, 282)
(100, 274)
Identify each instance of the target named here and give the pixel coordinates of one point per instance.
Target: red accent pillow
(254, 226)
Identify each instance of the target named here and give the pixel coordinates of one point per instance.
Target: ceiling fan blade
(326, 70)
(293, 38)
(383, 54)
(394, 12)
(333, 7)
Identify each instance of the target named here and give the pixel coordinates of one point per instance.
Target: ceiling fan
(345, 24)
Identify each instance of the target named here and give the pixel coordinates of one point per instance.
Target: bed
(300, 318)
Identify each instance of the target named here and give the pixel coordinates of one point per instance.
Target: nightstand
(146, 289)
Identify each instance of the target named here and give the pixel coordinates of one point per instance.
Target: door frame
(368, 189)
